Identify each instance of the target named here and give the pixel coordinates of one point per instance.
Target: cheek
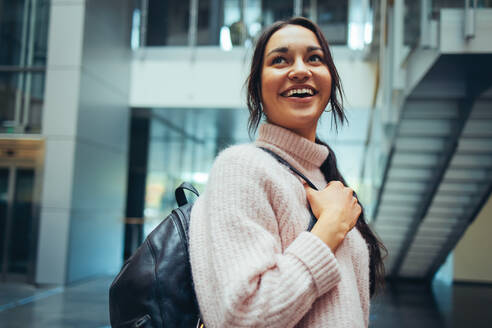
(326, 79)
(268, 87)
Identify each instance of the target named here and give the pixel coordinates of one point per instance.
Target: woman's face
(295, 80)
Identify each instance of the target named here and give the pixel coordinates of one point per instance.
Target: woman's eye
(278, 60)
(315, 58)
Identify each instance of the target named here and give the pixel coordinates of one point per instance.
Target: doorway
(20, 172)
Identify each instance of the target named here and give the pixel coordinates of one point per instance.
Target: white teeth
(299, 91)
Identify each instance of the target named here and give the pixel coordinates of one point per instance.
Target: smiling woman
(295, 82)
(254, 261)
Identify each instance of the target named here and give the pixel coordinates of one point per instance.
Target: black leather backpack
(154, 288)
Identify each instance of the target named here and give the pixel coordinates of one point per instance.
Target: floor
(80, 305)
(401, 305)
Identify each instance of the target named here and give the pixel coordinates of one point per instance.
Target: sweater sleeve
(241, 275)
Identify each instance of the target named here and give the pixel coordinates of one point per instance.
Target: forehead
(292, 36)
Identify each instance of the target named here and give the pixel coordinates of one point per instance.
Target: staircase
(438, 172)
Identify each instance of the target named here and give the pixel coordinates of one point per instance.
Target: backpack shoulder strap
(302, 176)
(180, 195)
(293, 169)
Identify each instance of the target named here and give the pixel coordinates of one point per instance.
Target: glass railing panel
(21, 101)
(437, 5)
(167, 23)
(222, 23)
(332, 18)
(209, 22)
(484, 4)
(228, 23)
(274, 10)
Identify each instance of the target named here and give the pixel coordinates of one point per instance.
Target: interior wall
(208, 77)
(472, 260)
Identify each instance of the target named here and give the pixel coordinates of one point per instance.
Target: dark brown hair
(329, 167)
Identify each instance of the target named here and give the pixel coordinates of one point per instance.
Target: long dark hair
(329, 168)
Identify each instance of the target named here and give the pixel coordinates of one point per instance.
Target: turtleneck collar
(304, 151)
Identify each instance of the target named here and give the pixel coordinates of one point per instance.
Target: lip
(299, 100)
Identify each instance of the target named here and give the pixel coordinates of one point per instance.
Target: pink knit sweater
(253, 263)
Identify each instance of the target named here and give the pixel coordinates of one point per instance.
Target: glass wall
(23, 49)
(183, 142)
(230, 23)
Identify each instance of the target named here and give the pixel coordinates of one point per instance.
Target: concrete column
(85, 123)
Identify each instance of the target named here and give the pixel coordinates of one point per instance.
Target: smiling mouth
(299, 93)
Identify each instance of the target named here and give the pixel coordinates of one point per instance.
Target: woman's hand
(337, 211)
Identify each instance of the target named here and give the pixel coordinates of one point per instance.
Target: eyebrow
(286, 49)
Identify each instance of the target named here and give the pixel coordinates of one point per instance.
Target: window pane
(11, 28)
(167, 23)
(21, 92)
(15, 39)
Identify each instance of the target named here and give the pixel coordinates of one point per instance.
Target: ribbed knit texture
(253, 263)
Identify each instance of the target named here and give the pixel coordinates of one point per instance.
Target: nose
(299, 72)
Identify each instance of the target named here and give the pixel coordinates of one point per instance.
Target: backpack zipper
(142, 321)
